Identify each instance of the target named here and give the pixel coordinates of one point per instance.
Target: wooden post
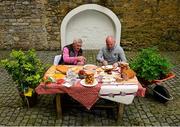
(120, 112)
(58, 106)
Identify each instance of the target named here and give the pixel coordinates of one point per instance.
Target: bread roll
(128, 74)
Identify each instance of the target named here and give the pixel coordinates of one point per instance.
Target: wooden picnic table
(79, 92)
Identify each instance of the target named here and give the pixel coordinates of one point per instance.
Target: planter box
(168, 76)
(145, 83)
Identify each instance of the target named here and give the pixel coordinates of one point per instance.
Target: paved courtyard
(142, 112)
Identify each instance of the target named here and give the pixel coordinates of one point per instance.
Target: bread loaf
(128, 74)
(62, 68)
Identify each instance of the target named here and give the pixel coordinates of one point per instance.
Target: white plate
(88, 85)
(90, 65)
(110, 67)
(107, 67)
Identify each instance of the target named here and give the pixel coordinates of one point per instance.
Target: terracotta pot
(168, 76)
(145, 83)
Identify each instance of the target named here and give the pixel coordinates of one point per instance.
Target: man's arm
(100, 57)
(122, 55)
(67, 58)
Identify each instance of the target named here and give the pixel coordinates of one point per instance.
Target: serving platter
(90, 67)
(109, 67)
(88, 85)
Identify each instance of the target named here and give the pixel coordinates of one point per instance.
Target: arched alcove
(92, 23)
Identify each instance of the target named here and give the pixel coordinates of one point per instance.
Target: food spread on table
(108, 67)
(75, 69)
(62, 68)
(89, 79)
(91, 74)
(87, 90)
(90, 67)
(58, 76)
(81, 74)
(128, 74)
(88, 85)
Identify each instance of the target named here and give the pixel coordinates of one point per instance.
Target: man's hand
(115, 65)
(105, 63)
(81, 59)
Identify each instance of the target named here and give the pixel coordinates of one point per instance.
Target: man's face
(77, 46)
(110, 43)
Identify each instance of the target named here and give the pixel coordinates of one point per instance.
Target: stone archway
(92, 23)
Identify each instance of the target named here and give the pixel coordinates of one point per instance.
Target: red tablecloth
(87, 96)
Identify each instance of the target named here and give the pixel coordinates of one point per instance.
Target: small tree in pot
(27, 71)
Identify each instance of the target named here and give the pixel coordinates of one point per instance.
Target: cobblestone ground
(143, 111)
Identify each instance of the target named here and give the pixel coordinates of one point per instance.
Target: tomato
(60, 81)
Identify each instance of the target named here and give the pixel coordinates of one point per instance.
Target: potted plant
(27, 71)
(151, 67)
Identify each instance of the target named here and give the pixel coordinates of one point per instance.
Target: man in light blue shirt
(111, 54)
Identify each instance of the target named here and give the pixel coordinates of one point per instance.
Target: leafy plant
(150, 65)
(25, 68)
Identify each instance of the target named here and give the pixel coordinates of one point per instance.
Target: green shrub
(150, 65)
(25, 68)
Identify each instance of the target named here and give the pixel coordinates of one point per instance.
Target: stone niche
(92, 23)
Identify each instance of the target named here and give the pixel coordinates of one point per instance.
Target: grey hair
(77, 40)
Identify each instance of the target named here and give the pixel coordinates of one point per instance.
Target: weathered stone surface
(144, 22)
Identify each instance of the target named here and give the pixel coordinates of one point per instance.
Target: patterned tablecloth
(122, 92)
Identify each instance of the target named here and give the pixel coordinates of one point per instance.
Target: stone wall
(36, 23)
(22, 25)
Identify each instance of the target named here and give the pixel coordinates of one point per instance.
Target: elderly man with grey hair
(111, 54)
(73, 54)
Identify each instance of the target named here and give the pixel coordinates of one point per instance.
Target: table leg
(58, 106)
(120, 112)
